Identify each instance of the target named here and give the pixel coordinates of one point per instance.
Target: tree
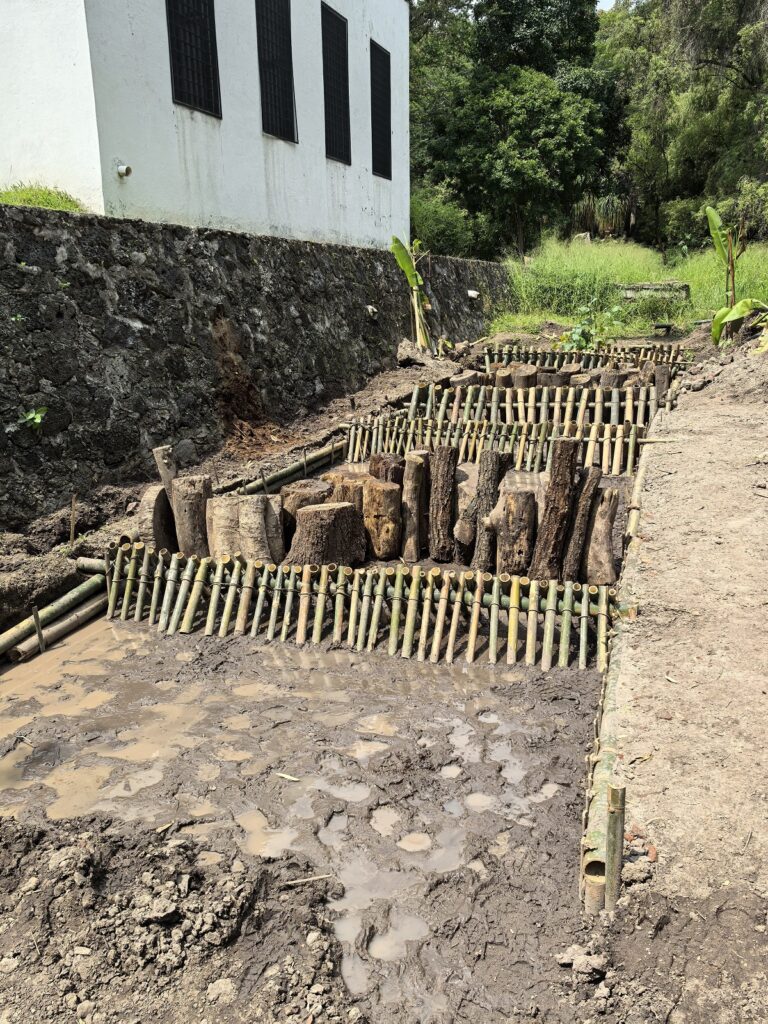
(537, 34)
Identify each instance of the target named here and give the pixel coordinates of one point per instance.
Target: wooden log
(426, 490)
(553, 378)
(298, 494)
(413, 482)
(662, 377)
(273, 521)
(333, 532)
(600, 567)
(569, 370)
(465, 532)
(613, 378)
(390, 468)
(647, 373)
(525, 376)
(382, 518)
(190, 497)
(491, 466)
(577, 540)
(253, 540)
(222, 517)
(167, 468)
(581, 380)
(556, 516)
(513, 521)
(155, 520)
(466, 378)
(505, 377)
(441, 502)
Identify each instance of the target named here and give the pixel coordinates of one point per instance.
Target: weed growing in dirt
(33, 419)
(32, 194)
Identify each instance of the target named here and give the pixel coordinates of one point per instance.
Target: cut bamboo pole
(144, 578)
(477, 602)
(602, 629)
(378, 602)
(305, 596)
(73, 599)
(549, 626)
(223, 565)
(513, 626)
(412, 610)
(464, 578)
(181, 597)
(320, 603)
(196, 593)
(290, 594)
(261, 597)
(252, 569)
(614, 844)
(533, 621)
(163, 557)
(442, 609)
(171, 579)
(565, 626)
(229, 601)
(76, 617)
(121, 558)
(274, 609)
(342, 583)
(584, 632)
(493, 628)
(426, 610)
(354, 607)
(394, 622)
(365, 610)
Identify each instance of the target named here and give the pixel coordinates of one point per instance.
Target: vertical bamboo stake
(653, 402)
(508, 395)
(365, 610)
(602, 628)
(550, 614)
(533, 620)
(290, 593)
(274, 609)
(513, 623)
(342, 582)
(464, 578)
(222, 566)
(171, 579)
(266, 576)
(354, 605)
(584, 628)
(432, 577)
(565, 626)
(412, 610)
(442, 608)
(181, 597)
(385, 575)
(304, 600)
(493, 638)
(397, 598)
(615, 407)
(163, 557)
(614, 844)
(246, 595)
(144, 578)
(618, 450)
(229, 601)
(322, 598)
(201, 578)
(136, 550)
(480, 581)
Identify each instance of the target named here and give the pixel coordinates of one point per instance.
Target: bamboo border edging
(72, 599)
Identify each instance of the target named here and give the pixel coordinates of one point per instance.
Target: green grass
(28, 194)
(561, 277)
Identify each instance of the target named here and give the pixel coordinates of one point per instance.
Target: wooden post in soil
(166, 467)
(575, 548)
(229, 601)
(441, 503)
(413, 481)
(442, 610)
(222, 520)
(305, 596)
(513, 521)
(489, 476)
(382, 518)
(223, 565)
(555, 520)
(329, 533)
(599, 566)
(397, 600)
(274, 609)
(464, 578)
(155, 520)
(290, 593)
(190, 496)
(388, 468)
(246, 594)
(614, 844)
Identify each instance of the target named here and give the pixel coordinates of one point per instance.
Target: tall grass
(30, 194)
(561, 277)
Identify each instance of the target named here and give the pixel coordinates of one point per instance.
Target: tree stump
(222, 517)
(661, 375)
(513, 521)
(390, 468)
(556, 516)
(553, 379)
(577, 541)
(155, 520)
(466, 378)
(525, 376)
(647, 373)
(441, 502)
(296, 495)
(505, 377)
(599, 566)
(569, 369)
(273, 520)
(581, 380)
(253, 539)
(166, 466)
(190, 496)
(426, 488)
(382, 518)
(613, 378)
(413, 482)
(491, 465)
(328, 533)
(466, 512)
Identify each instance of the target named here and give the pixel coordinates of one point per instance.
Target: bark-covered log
(569, 369)
(273, 520)
(525, 376)
(581, 380)
(333, 532)
(556, 516)
(505, 377)
(600, 566)
(253, 540)
(222, 516)
(662, 376)
(465, 532)
(167, 468)
(296, 495)
(382, 518)
(577, 540)
(190, 496)
(441, 502)
(155, 521)
(613, 378)
(553, 378)
(513, 521)
(390, 468)
(426, 490)
(647, 373)
(491, 466)
(467, 377)
(413, 482)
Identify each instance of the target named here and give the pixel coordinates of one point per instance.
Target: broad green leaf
(405, 263)
(718, 233)
(718, 324)
(744, 308)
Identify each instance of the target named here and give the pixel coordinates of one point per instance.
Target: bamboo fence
(503, 355)
(432, 614)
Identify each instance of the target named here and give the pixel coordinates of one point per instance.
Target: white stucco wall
(190, 168)
(47, 112)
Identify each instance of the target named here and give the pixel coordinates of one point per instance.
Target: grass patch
(561, 277)
(40, 196)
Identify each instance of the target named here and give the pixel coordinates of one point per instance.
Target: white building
(284, 117)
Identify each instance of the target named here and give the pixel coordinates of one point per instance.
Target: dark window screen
(336, 86)
(278, 112)
(381, 111)
(194, 64)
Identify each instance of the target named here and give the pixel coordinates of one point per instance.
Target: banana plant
(407, 260)
(729, 245)
(733, 314)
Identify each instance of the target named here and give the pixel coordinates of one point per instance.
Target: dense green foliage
(537, 116)
(23, 194)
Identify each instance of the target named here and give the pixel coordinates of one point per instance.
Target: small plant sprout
(593, 330)
(407, 260)
(33, 418)
(17, 318)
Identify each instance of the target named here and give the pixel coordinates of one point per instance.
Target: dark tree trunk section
(296, 495)
(505, 377)
(155, 520)
(661, 376)
(574, 552)
(600, 565)
(333, 532)
(613, 378)
(190, 496)
(389, 468)
(441, 502)
(491, 466)
(166, 466)
(514, 522)
(556, 518)
(425, 457)
(525, 376)
(346, 487)
(382, 518)
(554, 379)
(413, 484)
(464, 533)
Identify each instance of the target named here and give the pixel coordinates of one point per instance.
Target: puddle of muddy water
(393, 943)
(261, 840)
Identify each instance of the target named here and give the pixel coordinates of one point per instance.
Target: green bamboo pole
(442, 609)
(201, 578)
(426, 611)
(533, 618)
(354, 605)
(464, 578)
(223, 565)
(565, 626)
(365, 610)
(384, 575)
(583, 634)
(266, 576)
(549, 626)
(343, 574)
(130, 579)
(493, 638)
(252, 569)
(290, 593)
(91, 588)
(305, 596)
(163, 558)
(144, 578)
(181, 597)
(412, 610)
(602, 629)
(322, 596)
(514, 620)
(114, 593)
(397, 597)
(481, 579)
(614, 844)
(171, 579)
(275, 606)
(229, 601)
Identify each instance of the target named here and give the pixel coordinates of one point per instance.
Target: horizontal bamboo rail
(401, 611)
